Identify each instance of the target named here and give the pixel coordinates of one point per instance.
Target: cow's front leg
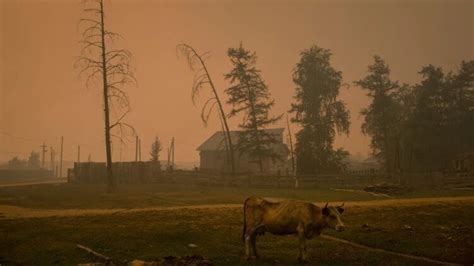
(247, 246)
(253, 242)
(302, 244)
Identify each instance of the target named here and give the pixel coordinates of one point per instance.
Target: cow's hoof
(302, 260)
(250, 258)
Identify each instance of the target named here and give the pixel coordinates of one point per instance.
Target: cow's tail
(245, 220)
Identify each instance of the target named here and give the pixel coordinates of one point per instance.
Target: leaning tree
(101, 62)
(202, 80)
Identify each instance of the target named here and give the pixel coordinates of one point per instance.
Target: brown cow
(287, 217)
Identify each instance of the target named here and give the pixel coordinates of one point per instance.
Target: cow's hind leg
(253, 242)
(302, 245)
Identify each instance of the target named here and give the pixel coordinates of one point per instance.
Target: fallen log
(95, 253)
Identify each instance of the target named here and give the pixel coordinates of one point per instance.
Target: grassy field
(67, 196)
(136, 196)
(438, 230)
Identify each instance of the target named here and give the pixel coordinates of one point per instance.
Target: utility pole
(170, 149)
(136, 148)
(168, 161)
(61, 160)
(78, 154)
(139, 150)
(43, 147)
(171, 155)
(172, 152)
(89, 159)
(51, 150)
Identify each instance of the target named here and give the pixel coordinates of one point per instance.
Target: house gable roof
(216, 141)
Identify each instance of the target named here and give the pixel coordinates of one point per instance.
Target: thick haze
(42, 99)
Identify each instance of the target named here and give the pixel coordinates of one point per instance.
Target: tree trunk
(224, 120)
(293, 165)
(254, 119)
(221, 110)
(229, 139)
(108, 149)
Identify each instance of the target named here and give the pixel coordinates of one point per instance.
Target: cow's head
(332, 217)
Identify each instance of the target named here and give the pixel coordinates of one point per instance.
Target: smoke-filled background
(42, 98)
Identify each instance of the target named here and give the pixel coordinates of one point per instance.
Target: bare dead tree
(202, 80)
(101, 62)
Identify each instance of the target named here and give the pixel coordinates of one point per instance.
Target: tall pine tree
(383, 116)
(155, 150)
(249, 96)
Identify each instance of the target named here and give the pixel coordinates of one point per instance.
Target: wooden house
(213, 154)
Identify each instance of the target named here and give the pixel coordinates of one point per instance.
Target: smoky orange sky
(42, 97)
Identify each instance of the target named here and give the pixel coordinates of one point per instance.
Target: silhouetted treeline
(420, 127)
(33, 162)
(413, 128)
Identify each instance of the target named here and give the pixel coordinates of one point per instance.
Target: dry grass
(75, 196)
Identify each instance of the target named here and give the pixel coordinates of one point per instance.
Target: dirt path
(14, 212)
(54, 181)
(387, 252)
(364, 192)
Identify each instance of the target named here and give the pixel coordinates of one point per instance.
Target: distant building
(463, 163)
(359, 165)
(213, 154)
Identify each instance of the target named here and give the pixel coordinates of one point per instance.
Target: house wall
(217, 160)
(213, 160)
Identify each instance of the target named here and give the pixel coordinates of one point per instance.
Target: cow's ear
(340, 209)
(325, 210)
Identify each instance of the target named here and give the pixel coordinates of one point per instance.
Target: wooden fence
(124, 172)
(20, 175)
(145, 172)
(207, 178)
(345, 180)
